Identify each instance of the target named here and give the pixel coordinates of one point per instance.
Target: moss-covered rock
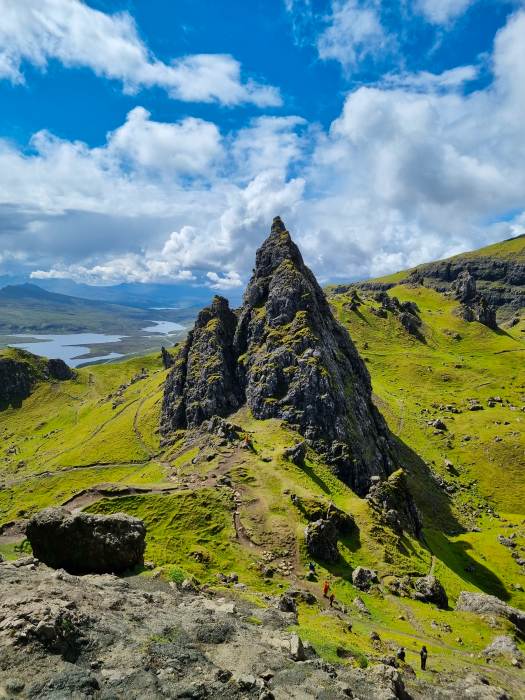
(287, 357)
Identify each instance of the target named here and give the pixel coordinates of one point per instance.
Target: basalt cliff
(285, 356)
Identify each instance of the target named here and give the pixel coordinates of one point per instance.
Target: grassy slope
(68, 438)
(416, 381)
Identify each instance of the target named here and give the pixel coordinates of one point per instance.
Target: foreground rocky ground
(63, 637)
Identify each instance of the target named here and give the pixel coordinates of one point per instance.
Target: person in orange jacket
(326, 588)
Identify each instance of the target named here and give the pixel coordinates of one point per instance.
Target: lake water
(73, 347)
(163, 327)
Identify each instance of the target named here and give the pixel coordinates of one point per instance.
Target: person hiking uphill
(331, 599)
(326, 588)
(423, 654)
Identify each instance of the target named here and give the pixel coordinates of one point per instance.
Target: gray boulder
(428, 589)
(296, 648)
(296, 453)
(363, 578)
(502, 646)
(321, 541)
(483, 604)
(84, 543)
(410, 322)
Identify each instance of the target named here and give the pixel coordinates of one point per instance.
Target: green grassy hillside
(454, 365)
(93, 443)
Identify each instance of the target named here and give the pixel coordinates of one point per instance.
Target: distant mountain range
(27, 308)
(129, 294)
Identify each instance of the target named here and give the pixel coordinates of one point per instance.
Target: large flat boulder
(83, 543)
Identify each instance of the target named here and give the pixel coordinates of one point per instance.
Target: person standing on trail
(331, 599)
(423, 654)
(326, 588)
(401, 656)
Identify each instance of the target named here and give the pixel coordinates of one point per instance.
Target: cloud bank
(412, 169)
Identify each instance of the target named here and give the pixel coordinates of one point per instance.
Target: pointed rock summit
(285, 356)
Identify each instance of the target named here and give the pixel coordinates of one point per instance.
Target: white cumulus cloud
(442, 11)
(354, 31)
(36, 31)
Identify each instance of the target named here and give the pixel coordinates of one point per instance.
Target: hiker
(331, 599)
(401, 655)
(311, 568)
(423, 653)
(326, 588)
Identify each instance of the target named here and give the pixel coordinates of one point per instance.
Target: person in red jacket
(326, 588)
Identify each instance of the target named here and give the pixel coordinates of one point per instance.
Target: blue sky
(154, 141)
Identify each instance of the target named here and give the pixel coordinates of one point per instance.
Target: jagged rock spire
(287, 357)
(203, 381)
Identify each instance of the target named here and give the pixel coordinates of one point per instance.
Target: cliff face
(499, 281)
(286, 357)
(16, 381)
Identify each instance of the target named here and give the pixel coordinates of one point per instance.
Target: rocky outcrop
(472, 686)
(84, 543)
(363, 578)
(204, 381)
(483, 604)
(286, 357)
(20, 372)
(167, 358)
(64, 636)
(321, 540)
(503, 645)
(474, 306)
(392, 500)
(16, 381)
(464, 287)
(58, 369)
(316, 509)
(429, 589)
(500, 280)
(407, 312)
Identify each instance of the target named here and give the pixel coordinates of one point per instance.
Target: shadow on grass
(455, 555)
(435, 507)
(361, 316)
(310, 472)
(432, 501)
